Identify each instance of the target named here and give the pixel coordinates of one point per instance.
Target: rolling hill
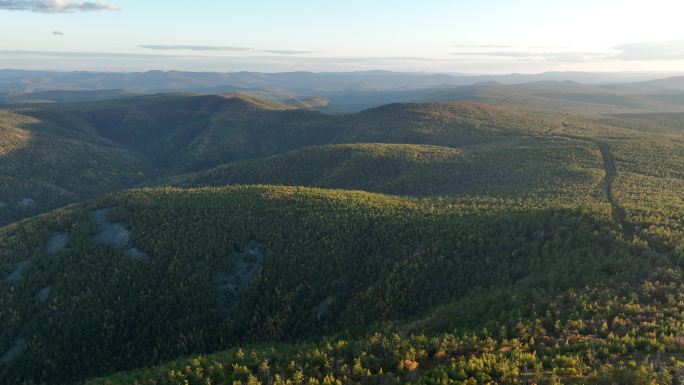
(176, 131)
(500, 168)
(61, 96)
(76, 151)
(126, 142)
(232, 239)
(41, 169)
(57, 154)
(585, 99)
(270, 263)
(301, 82)
(356, 91)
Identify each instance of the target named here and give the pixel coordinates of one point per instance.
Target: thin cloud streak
(481, 46)
(625, 57)
(85, 55)
(662, 50)
(55, 6)
(672, 50)
(88, 55)
(560, 56)
(189, 47)
(211, 48)
(285, 52)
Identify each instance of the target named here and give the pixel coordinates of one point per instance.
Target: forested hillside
(326, 261)
(123, 143)
(606, 334)
(226, 239)
(43, 166)
(500, 168)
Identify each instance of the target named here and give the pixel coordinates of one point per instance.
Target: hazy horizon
(435, 36)
(655, 73)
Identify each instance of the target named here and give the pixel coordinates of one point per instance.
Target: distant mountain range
(338, 92)
(301, 82)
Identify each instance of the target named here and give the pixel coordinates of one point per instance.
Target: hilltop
(500, 168)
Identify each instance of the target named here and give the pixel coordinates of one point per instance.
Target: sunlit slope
(649, 185)
(182, 131)
(187, 132)
(58, 154)
(611, 333)
(569, 97)
(202, 269)
(41, 169)
(521, 166)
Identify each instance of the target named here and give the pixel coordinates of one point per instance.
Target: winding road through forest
(611, 172)
(618, 212)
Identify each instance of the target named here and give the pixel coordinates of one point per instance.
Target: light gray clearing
(19, 268)
(229, 284)
(57, 243)
(324, 305)
(26, 203)
(200, 267)
(249, 261)
(15, 351)
(115, 234)
(43, 294)
(226, 294)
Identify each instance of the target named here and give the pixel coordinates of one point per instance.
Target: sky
(454, 36)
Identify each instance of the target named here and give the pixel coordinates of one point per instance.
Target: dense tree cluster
(605, 334)
(501, 168)
(488, 245)
(65, 153)
(333, 260)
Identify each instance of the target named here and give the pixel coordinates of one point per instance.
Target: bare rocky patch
(230, 284)
(324, 305)
(57, 243)
(15, 275)
(26, 203)
(44, 294)
(116, 235)
(15, 350)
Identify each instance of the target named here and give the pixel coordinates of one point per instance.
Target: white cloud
(461, 45)
(552, 56)
(662, 50)
(285, 52)
(55, 6)
(215, 48)
(162, 47)
(671, 50)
